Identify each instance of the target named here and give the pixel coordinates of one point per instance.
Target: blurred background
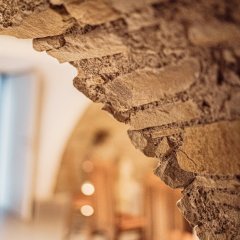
(67, 169)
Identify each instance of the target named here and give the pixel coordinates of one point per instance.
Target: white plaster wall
(61, 106)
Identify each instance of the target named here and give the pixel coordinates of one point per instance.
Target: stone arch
(169, 69)
(98, 151)
(97, 137)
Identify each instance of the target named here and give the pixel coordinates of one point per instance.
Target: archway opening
(114, 194)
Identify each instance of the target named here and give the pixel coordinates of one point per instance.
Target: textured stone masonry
(169, 69)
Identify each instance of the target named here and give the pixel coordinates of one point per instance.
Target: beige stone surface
(13, 12)
(147, 85)
(138, 140)
(91, 12)
(163, 148)
(163, 115)
(57, 2)
(92, 45)
(51, 22)
(127, 6)
(211, 149)
(131, 5)
(212, 204)
(205, 34)
(165, 132)
(172, 174)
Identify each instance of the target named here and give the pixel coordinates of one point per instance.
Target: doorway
(18, 97)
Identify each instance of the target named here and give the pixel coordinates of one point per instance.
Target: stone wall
(171, 70)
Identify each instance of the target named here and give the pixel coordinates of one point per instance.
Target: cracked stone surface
(169, 69)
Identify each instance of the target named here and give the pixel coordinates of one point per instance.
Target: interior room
(68, 169)
(119, 120)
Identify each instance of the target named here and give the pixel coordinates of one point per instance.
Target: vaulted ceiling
(168, 69)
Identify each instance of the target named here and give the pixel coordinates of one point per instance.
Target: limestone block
(162, 148)
(138, 139)
(51, 22)
(138, 20)
(173, 175)
(159, 133)
(166, 114)
(147, 85)
(131, 5)
(142, 142)
(205, 34)
(91, 12)
(13, 12)
(211, 149)
(48, 43)
(91, 45)
(212, 204)
(128, 6)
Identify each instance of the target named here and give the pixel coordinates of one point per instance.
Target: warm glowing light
(88, 188)
(87, 210)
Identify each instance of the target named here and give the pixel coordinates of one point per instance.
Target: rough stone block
(165, 132)
(211, 149)
(91, 45)
(170, 172)
(147, 85)
(131, 5)
(91, 12)
(212, 204)
(13, 12)
(162, 148)
(205, 34)
(170, 113)
(52, 23)
(138, 139)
